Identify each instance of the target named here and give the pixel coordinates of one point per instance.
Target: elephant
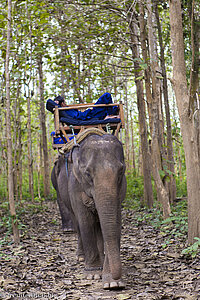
(67, 222)
(91, 181)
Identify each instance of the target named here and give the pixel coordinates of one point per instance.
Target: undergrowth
(22, 208)
(172, 229)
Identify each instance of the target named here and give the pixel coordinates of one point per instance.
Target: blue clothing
(97, 113)
(59, 140)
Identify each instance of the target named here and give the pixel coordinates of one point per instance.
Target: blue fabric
(95, 121)
(98, 113)
(50, 105)
(102, 112)
(59, 140)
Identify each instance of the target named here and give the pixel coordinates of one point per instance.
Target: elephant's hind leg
(80, 252)
(91, 244)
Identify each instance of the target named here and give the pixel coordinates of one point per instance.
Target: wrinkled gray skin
(67, 222)
(93, 192)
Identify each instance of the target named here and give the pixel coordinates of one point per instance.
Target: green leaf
(140, 77)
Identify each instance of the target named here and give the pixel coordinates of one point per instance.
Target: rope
(80, 137)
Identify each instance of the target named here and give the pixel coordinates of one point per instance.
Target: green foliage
(192, 250)
(54, 221)
(181, 187)
(135, 191)
(25, 188)
(85, 48)
(152, 217)
(6, 222)
(173, 228)
(22, 209)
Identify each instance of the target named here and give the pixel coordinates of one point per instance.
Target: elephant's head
(98, 165)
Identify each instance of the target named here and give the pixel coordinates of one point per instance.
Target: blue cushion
(70, 121)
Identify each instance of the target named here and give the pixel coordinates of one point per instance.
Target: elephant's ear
(74, 158)
(58, 164)
(70, 158)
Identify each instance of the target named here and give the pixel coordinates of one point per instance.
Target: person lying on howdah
(94, 114)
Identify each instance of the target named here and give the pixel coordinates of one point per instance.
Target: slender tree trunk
(28, 101)
(15, 146)
(115, 82)
(30, 156)
(39, 169)
(3, 147)
(127, 128)
(9, 136)
(148, 191)
(187, 124)
(170, 156)
(195, 44)
(74, 76)
(194, 90)
(44, 135)
(132, 142)
(179, 163)
(18, 157)
(89, 84)
(147, 71)
(157, 140)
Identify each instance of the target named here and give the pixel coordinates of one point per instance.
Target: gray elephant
(67, 222)
(91, 181)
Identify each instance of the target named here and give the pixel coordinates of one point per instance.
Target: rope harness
(80, 137)
(64, 151)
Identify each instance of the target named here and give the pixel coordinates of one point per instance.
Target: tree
(9, 133)
(188, 123)
(148, 192)
(28, 100)
(170, 156)
(43, 127)
(81, 50)
(158, 155)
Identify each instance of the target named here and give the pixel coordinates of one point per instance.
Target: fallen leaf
(123, 296)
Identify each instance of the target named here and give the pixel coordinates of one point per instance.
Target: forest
(146, 54)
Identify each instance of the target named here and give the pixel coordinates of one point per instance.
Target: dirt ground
(44, 265)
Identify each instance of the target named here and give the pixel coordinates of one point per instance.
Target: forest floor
(44, 265)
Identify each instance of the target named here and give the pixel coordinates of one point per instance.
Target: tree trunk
(147, 71)
(170, 156)
(39, 167)
(148, 191)
(127, 128)
(74, 76)
(180, 175)
(28, 101)
(195, 44)
(132, 142)
(16, 145)
(46, 178)
(30, 156)
(194, 73)
(157, 139)
(187, 125)
(9, 136)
